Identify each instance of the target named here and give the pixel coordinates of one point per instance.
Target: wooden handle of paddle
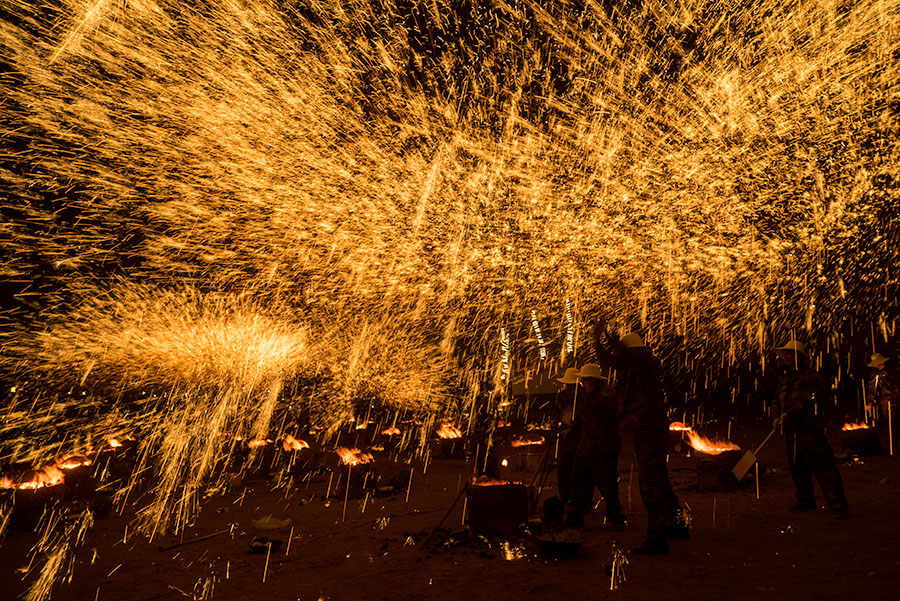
(763, 443)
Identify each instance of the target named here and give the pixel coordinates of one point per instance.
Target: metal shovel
(743, 466)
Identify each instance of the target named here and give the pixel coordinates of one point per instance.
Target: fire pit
(450, 444)
(715, 460)
(497, 507)
(31, 493)
(860, 440)
(355, 474)
(526, 453)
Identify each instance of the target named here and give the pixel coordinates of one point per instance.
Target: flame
(259, 442)
(705, 445)
(502, 424)
(448, 430)
(292, 444)
(488, 481)
(50, 475)
(73, 461)
(850, 426)
(522, 442)
(679, 427)
(391, 431)
(114, 443)
(505, 463)
(353, 456)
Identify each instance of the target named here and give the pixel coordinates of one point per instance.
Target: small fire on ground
(50, 475)
(448, 430)
(488, 481)
(524, 442)
(292, 444)
(710, 447)
(849, 426)
(353, 457)
(679, 427)
(391, 431)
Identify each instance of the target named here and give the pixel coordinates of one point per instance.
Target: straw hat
(793, 346)
(878, 359)
(632, 341)
(570, 377)
(591, 370)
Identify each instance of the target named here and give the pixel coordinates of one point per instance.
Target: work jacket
(796, 396)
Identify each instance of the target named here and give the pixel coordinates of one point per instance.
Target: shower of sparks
(537, 332)
(213, 207)
(505, 348)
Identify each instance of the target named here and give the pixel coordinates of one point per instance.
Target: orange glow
(487, 481)
(73, 461)
(49, 476)
(353, 456)
(448, 430)
(705, 445)
(292, 444)
(850, 426)
(505, 463)
(524, 442)
(391, 431)
(114, 443)
(679, 427)
(258, 442)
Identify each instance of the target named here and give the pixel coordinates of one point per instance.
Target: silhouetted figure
(808, 451)
(597, 453)
(639, 387)
(883, 397)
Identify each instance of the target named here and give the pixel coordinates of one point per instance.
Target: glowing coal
(448, 430)
(353, 457)
(525, 441)
(850, 426)
(293, 444)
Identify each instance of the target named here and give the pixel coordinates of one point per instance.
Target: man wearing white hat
(809, 454)
(597, 455)
(569, 433)
(883, 397)
(639, 386)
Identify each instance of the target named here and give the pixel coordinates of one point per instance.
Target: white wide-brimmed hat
(793, 346)
(570, 377)
(591, 370)
(877, 359)
(632, 341)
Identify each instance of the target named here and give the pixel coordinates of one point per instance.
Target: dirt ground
(741, 547)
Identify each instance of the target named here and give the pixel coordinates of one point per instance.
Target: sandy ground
(742, 547)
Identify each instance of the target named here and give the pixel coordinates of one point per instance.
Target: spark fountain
(210, 202)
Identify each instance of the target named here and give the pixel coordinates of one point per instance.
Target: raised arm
(608, 348)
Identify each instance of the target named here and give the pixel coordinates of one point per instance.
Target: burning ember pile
(448, 430)
(292, 444)
(391, 432)
(524, 442)
(50, 475)
(353, 457)
(705, 445)
(488, 481)
(679, 427)
(850, 426)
